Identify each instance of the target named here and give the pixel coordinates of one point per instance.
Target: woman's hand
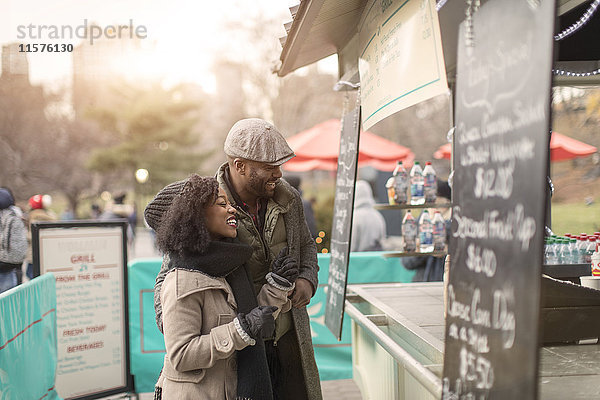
(259, 323)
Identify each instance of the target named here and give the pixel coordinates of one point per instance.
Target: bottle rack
(385, 206)
(559, 271)
(389, 254)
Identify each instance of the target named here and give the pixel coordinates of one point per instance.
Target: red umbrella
(561, 148)
(318, 147)
(444, 151)
(565, 148)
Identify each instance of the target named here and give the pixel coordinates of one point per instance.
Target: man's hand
(285, 269)
(302, 294)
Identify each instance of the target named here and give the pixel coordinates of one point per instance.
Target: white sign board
(401, 62)
(89, 263)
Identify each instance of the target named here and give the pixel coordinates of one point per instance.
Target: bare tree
(41, 153)
(305, 100)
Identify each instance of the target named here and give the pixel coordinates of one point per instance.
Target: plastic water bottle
(590, 249)
(574, 253)
(558, 250)
(425, 233)
(417, 185)
(439, 232)
(582, 247)
(399, 184)
(409, 232)
(551, 258)
(430, 183)
(565, 252)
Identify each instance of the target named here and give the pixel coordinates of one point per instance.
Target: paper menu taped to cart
(499, 194)
(401, 62)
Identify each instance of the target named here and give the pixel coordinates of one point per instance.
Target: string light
(587, 15)
(580, 23)
(562, 72)
(472, 7)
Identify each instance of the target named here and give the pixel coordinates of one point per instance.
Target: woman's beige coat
(200, 335)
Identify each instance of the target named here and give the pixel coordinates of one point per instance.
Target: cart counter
(398, 347)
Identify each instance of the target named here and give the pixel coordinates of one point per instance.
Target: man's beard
(257, 186)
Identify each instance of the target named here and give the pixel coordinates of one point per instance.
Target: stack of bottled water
(425, 233)
(570, 249)
(409, 232)
(397, 185)
(417, 185)
(430, 183)
(439, 232)
(420, 183)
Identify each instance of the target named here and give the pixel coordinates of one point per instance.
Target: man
(270, 217)
(368, 225)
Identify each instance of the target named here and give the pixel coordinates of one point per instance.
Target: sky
(183, 30)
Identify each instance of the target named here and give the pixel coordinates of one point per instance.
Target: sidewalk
(344, 389)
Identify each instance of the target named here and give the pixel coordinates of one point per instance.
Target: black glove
(259, 323)
(286, 267)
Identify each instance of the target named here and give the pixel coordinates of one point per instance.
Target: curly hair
(182, 230)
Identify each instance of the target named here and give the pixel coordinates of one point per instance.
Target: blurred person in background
(368, 225)
(309, 214)
(430, 268)
(13, 240)
(117, 209)
(67, 215)
(95, 211)
(38, 212)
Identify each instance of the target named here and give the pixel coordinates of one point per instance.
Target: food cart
(508, 331)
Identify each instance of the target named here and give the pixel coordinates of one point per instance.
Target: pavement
(344, 389)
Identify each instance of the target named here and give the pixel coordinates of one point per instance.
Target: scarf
(227, 259)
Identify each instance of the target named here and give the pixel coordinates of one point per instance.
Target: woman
(212, 324)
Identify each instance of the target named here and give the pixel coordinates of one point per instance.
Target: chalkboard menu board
(342, 222)
(89, 261)
(499, 191)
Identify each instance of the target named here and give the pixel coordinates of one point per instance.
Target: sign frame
(37, 230)
(342, 232)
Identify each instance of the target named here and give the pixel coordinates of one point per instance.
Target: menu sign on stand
(89, 261)
(342, 222)
(499, 190)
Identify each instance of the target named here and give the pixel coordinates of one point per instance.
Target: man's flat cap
(255, 139)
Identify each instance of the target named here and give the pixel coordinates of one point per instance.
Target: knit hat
(255, 139)
(35, 202)
(6, 199)
(160, 204)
